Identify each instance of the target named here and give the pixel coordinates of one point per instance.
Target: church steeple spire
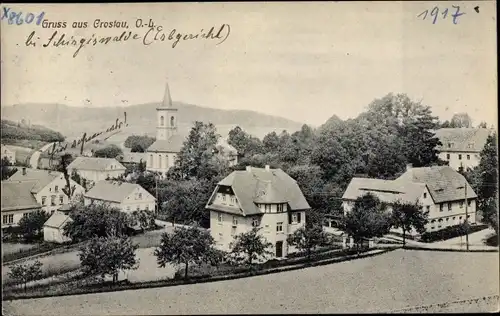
(167, 117)
(167, 99)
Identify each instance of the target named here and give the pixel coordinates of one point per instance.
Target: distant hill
(73, 121)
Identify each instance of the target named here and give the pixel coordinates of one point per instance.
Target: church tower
(167, 117)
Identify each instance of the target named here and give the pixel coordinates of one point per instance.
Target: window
(151, 160)
(223, 197)
(137, 208)
(441, 207)
(460, 218)
(162, 120)
(449, 206)
(233, 200)
(219, 217)
(447, 156)
(425, 195)
(147, 207)
(468, 157)
(235, 221)
(447, 219)
(470, 145)
(450, 145)
(56, 188)
(468, 216)
(8, 219)
(160, 162)
(44, 200)
(140, 196)
(61, 199)
(428, 208)
(433, 221)
(432, 227)
(439, 226)
(294, 218)
(52, 212)
(220, 236)
(461, 204)
(459, 156)
(255, 222)
(172, 121)
(268, 208)
(279, 227)
(454, 217)
(280, 208)
(469, 202)
(53, 200)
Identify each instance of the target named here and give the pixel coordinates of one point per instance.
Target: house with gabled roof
(461, 147)
(53, 228)
(94, 169)
(440, 190)
(46, 186)
(127, 197)
(257, 197)
(17, 201)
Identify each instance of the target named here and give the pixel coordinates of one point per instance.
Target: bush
(450, 232)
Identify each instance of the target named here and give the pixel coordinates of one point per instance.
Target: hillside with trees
(13, 130)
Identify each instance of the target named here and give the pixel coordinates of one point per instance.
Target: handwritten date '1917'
(18, 19)
(435, 13)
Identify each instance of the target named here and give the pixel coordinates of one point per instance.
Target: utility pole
(466, 218)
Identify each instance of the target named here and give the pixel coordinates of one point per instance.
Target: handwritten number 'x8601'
(17, 17)
(435, 13)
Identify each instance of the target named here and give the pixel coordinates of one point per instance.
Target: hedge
(450, 232)
(237, 273)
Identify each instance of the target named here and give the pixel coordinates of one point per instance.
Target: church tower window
(162, 121)
(172, 121)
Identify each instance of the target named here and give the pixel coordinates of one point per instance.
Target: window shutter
(289, 218)
(298, 217)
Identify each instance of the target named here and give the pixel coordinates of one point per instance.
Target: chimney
(24, 171)
(249, 168)
(409, 166)
(267, 168)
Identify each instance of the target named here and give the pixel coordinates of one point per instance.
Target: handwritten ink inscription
(435, 13)
(17, 18)
(59, 147)
(153, 33)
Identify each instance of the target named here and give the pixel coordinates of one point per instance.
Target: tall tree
(250, 246)
(461, 120)
(111, 151)
(64, 161)
(31, 225)
(408, 216)
(187, 246)
(487, 189)
(103, 256)
(246, 144)
(367, 219)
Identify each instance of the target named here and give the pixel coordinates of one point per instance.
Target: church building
(162, 153)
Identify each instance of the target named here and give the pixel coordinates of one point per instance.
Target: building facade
(440, 190)
(127, 197)
(461, 147)
(17, 201)
(257, 197)
(96, 169)
(47, 187)
(53, 229)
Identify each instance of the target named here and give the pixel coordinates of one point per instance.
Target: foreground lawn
(9, 248)
(395, 280)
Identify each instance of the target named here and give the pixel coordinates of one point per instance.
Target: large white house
(46, 186)
(17, 201)
(439, 190)
(9, 153)
(257, 197)
(96, 169)
(461, 147)
(127, 197)
(161, 155)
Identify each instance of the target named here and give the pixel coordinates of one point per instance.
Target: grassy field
(8, 248)
(393, 281)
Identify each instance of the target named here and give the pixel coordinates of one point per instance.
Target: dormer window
(470, 145)
(425, 195)
(280, 208)
(450, 145)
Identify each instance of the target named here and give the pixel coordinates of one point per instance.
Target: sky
(302, 61)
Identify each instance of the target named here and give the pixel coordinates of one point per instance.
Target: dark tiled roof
(17, 195)
(444, 183)
(263, 186)
(462, 139)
